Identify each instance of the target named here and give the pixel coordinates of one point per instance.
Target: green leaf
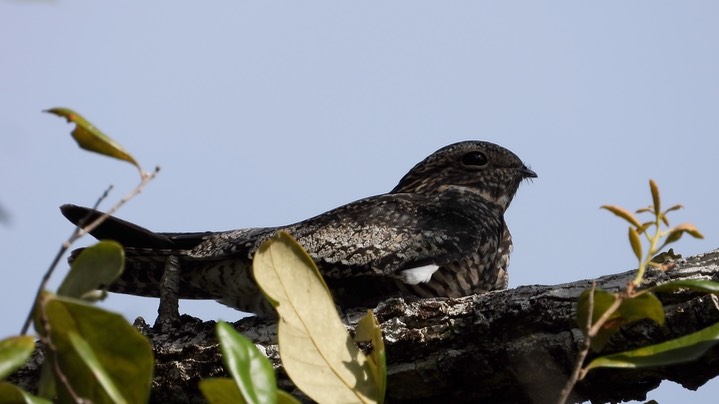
(623, 213)
(368, 330)
(46, 385)
(284, 397)
(250, 369)
(642, 306)
(655, 198)
(693, 284)
(85, 352)
(14, 352)
(636, 242)
(108, 342)
(602, 301)
(12, 394)
(95, 268)
(683, 349)
(221, 391)
(90, 138)
(316, 350)
(639, 307)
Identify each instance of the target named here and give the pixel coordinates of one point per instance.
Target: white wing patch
(414, 276)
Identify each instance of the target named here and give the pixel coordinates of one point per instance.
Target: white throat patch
(414, 276)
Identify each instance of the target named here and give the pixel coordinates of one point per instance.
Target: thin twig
(608, 313)
(81, 231)
(55, 261)
(147, 177)
(591, 331)
(586, 344)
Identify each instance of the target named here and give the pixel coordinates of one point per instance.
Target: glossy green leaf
(107, 341)
(92, 139)
(14, 352)
(693, 284)
(221, 391)
(89, 359)
(317, 352)
(96, 267)
(369, 331)
(12, 394)
(683, 349)
(655, 198)
(249, 367)
(623, 213)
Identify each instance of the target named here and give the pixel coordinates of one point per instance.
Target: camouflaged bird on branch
(439, 233)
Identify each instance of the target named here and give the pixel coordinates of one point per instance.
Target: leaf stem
(564, 394)
(653, 240)
(591, 331)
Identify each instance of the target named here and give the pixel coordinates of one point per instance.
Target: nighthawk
(439, 233)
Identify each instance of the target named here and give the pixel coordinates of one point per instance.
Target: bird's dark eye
(474, 158)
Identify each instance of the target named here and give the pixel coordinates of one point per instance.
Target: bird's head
(479, 167)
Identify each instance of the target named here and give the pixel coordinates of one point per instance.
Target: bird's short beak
(527, 173)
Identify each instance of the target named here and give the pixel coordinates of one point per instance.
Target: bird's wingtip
(67, 207)
(74, 213)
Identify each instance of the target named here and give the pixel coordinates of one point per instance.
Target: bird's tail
(146, 252)
(129, 234)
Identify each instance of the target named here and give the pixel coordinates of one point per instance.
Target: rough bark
(516, 345)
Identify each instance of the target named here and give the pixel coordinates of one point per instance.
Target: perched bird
(439, 233)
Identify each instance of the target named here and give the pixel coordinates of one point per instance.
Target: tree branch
(517, 345)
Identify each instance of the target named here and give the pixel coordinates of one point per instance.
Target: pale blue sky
(266, 113)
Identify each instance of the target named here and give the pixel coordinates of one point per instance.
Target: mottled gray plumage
(439, 232)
